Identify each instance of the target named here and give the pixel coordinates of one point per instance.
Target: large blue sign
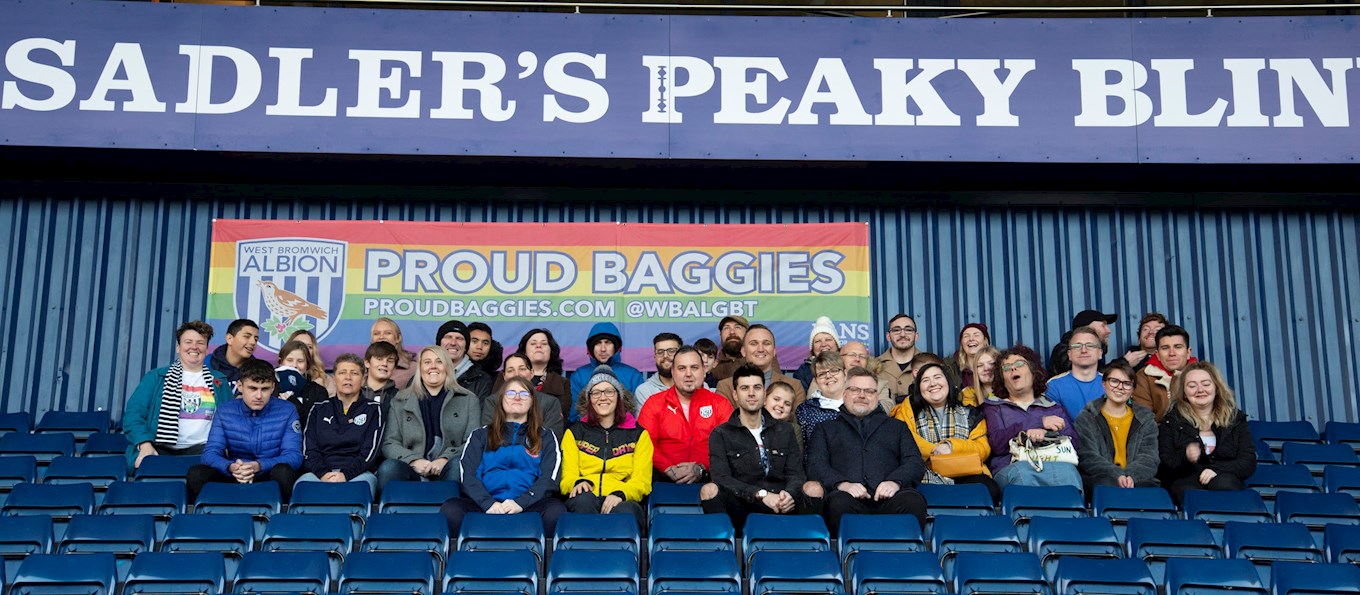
(171, 76)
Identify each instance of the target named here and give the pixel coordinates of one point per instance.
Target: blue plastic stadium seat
(965, 499)
(713, 573)
(96, 471)
(1265, 456)
(1219, 507)
(1264, 543)
(20, 422)
(492, 572)
(409, 532)
(156, 573)
(17, 469)
(159, 499)
(1123, 576)
(1200, 577)
(1317, 510)
(123, 536)
(1297, 578)
(999, 573)
(1051, 539)
(494, 532)
(1121, 504)
(872, 572)
(1276, 433)
(784, 533)
(1343, 543)
(416, 496)
(796, 572)
(1337, 433)
(43, 447)
(1155, 541)
(673, 498)
(60, 502)
(259, 500)
(80, 424)
(957, 534)
(1022, 503)
(22, 536)
(1316, 457)
(691, 533)
(53, 574)
(104, 443)
(283, 572)
(598, 532)
(1269, 480)
(877, 533)
(593, 571)
(165, 468)
(390, 572)
(352, 498)
(1342, 480)
(329, 533)
(228, 535)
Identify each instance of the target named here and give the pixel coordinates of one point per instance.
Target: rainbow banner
(336, 277)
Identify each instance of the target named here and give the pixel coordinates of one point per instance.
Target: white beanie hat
(823, 325)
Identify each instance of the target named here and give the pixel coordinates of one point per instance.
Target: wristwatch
(762, 494)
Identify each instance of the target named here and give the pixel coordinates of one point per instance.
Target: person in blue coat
(172, 408)
(253, 438)
(603, 346)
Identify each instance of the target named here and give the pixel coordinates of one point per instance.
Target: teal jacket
(144, 406)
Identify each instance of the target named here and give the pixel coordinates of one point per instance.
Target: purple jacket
(1005, 420)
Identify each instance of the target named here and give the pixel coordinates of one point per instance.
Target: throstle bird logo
(285, 304)
(290, 284)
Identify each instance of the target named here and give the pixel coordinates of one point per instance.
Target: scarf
(172, 400)
(955, 424)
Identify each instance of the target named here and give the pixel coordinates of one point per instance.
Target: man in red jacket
(681, 418)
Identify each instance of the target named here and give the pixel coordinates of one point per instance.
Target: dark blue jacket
(510, 472)
(866, 451)
(272, 436)
(337, 440)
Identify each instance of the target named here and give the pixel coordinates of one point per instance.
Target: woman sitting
(984, 378)
(299, 389)
(172, 408)
(1019, 407)
(429, 423)
(517, 364)
(343, 435)
(1118, 438)
(1205, 442)
(606, 456)
(948, 432)
(511, 465)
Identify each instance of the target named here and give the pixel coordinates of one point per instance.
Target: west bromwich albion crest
(290, 284)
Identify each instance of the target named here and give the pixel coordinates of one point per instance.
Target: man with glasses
(664, 347)
(895, 364)
(1082, 384)
(867, 461)
(1095, 320)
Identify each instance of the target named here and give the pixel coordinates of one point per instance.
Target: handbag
(1054, 449)
(957, 464)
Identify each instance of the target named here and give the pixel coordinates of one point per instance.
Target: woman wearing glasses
(511, 465)
(1118, 437)
(1020, 407)
(824, 402)
(517, 364)
(606, 456)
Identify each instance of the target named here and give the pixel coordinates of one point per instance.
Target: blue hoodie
(628, 376)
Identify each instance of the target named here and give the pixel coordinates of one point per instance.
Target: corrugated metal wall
(92, 289)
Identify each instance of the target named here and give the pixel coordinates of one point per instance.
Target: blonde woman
(984, 376)
(429, 423)
(1205, 443)
(316, 369)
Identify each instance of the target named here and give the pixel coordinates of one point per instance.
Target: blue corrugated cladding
(93, 288)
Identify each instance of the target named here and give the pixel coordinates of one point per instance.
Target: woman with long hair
(1205, 441)
(511, 465)
(545, 367)
(606, 456)
(429, 423)
(517, 364)
(984, 377)
(973, 338)
(1020, 407)
(948, 431)
(316, 368)
(296, 356)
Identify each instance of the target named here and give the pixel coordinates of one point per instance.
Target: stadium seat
(483, 532)
(593, 571)
(691, 533)
(1051, 539)
(43, 447)
(598, 532)
(124, 537)
(351, 498)
(796, 572)
(960, 499)
(329, 533)
(1203, 577)
(159, 499)
(677, 572)
(415, 496)
(1317, 510)
(410, 532)
(957, 534)
(104, 443)
(389, 572)
(80, 424)
(1269, 480)
(1342, 480)
(992, 573)
(877, 533)
(17, 469)
(1276, 433)
(156, 573)
(1337, 433)
(1316, 457)
(1124, 576)
(1265, 456)
(1342, 543)
(96, 471)
(1297, 578)
(492, 572)
(53, 574)
(227, 535)
(673, 498)
(259, 500)
(874, 572)
(1218, 507)
(784, 533)
(1121, 504)
(165, 468)
(1264, 543)
(22, 536)
(1021, 503)
(283, 572)
(1155, 541)
(60, 502)
(20, 422)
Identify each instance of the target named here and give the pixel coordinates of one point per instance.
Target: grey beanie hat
(603, 373)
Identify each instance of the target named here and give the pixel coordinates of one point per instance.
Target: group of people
(846, 433)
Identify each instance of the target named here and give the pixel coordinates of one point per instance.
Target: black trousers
(590, 503)
(201, 475)
(905, 501)
(1222, 481)
(727, 502)
(454, 509)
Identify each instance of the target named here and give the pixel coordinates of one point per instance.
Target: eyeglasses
(607, 393)
(517, 394)
(1117, 383)
(901, 330)
(668, 352)
(828, 374)
(1014, 366)
(1080, 346)
(851, 391)
(853, 355)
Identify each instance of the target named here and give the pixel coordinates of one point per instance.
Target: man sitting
(253, 438)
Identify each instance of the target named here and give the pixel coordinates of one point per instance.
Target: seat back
(715, 572)
(784, 533)
(1343, 543)
(796, 572)
(53, 574)
(19, 421)
(1052, 538)
(96, 471)
(491, 572)
(351, 498)
(1317, 456)
(42, 447)
(1154, 541)
(329, 533)
(1121, 504)
(230, 536)
(1122, 576)
(165, 468)
(874, 572)
(259, 500)
(1269, 480)
(696, 533)
(956, 534)
(407, 532)
(22, 536)
(157, 573)
(80, 424)
(598, 532)
(61, 502)
(416, 496)
(160, 499)
(1299, 578)
(994, 573)
(283, 572)
(1342, 480)
(17, 469)
(1219, 507)
(1339, 432)
(960, 499)
(1276, 433)
(390, 572)
(877, 533)
(673, 498)
(482, 532)
(1198, 576)
(1022, 503)
(1265, 543)
(593, 571)
(104, 443)
(125, 537)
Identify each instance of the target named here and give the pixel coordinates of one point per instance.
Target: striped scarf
(172, 400)
(955, 424)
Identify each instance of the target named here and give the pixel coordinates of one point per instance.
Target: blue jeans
(1054, 474)
(394, 470)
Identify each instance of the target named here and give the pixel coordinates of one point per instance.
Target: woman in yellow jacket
(952, 436)
(606, 456)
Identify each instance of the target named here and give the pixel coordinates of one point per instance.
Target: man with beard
(895, 364)
(731, 334)
(680, 420)
(664, 347)
(758, 349)
(454, 338)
